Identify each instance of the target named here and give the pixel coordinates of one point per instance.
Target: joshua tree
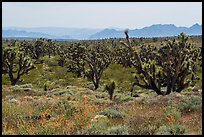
(62, 56)
(169, 66)
(122, 56)
(15, 63)
(38, 48)
(179, 60)
(34, 49)
(49, 47)
(76, 56)
(98, 57)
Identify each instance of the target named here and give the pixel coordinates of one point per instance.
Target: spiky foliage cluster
(166, 67)
(98, 58)
(34, 49)
(76, 56)
(61, 51)
(50, 47)
(122, 56)
(26, 46)
(179, 60)
(15, 63)
(39, 48)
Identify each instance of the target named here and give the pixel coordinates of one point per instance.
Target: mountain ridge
(155, 30)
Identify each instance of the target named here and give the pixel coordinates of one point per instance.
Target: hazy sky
(100, 14)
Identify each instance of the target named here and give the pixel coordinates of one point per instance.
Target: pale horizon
(100, 15)
(96, 28)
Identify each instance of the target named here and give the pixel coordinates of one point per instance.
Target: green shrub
(194, 103)
(112, 113)
(50, 61)
(118, 130)
(117, 97)
(101, 94)
(188, 92)
(5, 80)
(63, 106)
(138, 125)
(172, 111)
(123, 98)
(127, 98)
(172, 130)
(101, 124)
(26, 86)
(98, 127)
(100, 101)
(19, 88)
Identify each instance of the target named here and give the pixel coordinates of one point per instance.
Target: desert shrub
(39, 92)
(62, 106)
(17, 89)
(67, 117)
(143, 100)
(100, 101)
(122, 98)
(13, 116)
(172, 130)
(158, 100)
(127, 98)
(62, 92)
(171, 114)
(187, 92)
(138, 125)
(50, 85)
(26, 86)
(98, 127)
(101, 95)
(112, 113)
(5, 80)
(9, 97)
(50, 61)
(194, 103)
(61, 82)
(82, 92)
(20, 89)
(118, 130)
(118, 96)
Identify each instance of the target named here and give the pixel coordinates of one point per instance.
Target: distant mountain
(157, 30)
(25, 34)
(76, 33)
(16, 33)
(107, 33)
(32, 38)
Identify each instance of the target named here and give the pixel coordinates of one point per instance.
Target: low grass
(72, 104)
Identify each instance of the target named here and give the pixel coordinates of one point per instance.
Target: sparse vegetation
(93, 87)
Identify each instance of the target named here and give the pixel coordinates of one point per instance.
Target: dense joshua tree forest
(131, 86)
